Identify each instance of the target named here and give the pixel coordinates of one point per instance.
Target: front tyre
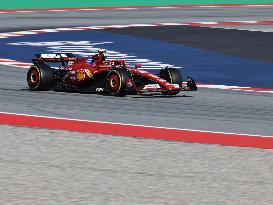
(116, 82)
(173, 76)
(40, 77)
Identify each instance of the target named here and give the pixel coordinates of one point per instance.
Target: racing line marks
(133, 8)
(141, 131)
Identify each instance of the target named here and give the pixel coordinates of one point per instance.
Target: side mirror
(137, 66)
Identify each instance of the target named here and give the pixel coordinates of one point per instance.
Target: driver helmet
(101, 50)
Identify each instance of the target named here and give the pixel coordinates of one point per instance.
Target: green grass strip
(38, 4)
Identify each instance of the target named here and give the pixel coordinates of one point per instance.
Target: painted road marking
(236, 88)
(14, 63)
(141, 131)
(198, 24)
(89, 48)
(134, 8)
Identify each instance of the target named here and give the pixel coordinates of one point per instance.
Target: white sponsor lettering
(151, 86)
(175, 85)
(53, 55)
(99, 89)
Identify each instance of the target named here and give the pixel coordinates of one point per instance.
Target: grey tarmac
(207, 109)
(57, 167)
(26, 21)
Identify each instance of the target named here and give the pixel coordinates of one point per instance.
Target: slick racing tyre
(116, 82)
(173, 76)
(40, 77)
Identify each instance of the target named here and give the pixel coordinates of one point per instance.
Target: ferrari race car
(94, 74)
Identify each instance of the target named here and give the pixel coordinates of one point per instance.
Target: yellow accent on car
(171, 78)
(102, 50)
(80, 75)
(88, 72)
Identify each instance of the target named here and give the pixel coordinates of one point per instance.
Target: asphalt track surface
(62, 167)
(26, 21)
(212, 110)
(233, 42)
(57, 167)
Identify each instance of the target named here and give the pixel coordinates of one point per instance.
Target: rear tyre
(173, 76)
(116, 82)
(40, 77)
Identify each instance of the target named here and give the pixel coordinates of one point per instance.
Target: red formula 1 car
(95, 74)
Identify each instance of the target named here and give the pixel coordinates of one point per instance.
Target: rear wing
(54, 57)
